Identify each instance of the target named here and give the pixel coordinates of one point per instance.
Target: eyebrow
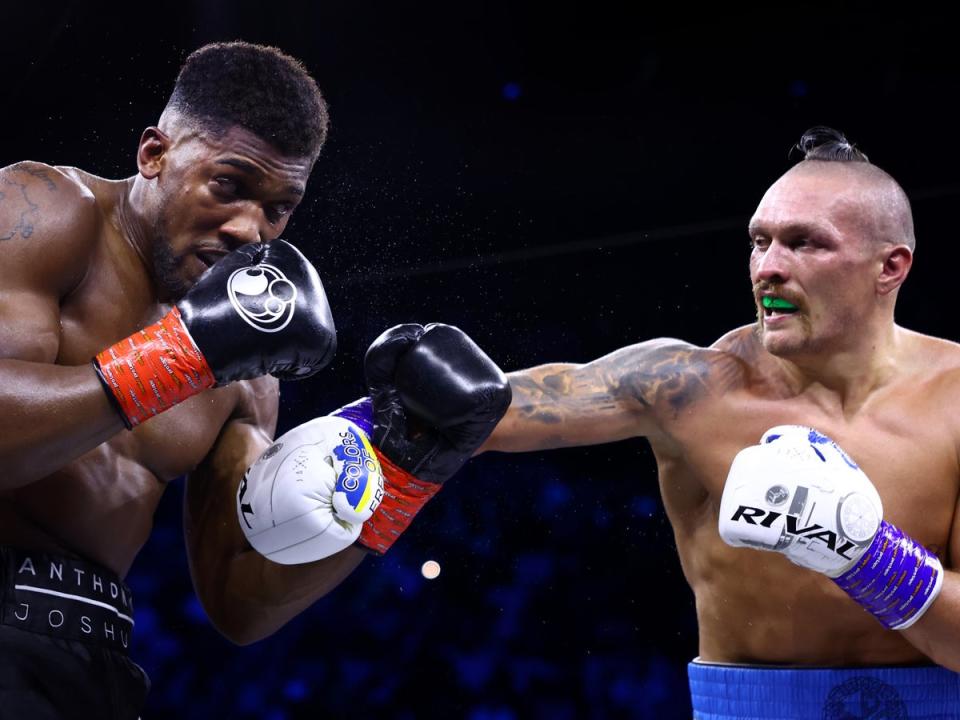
(807, 228)
(249, 169)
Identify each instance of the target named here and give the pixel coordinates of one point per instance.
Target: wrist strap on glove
(896, 579)
(153, 370)
(403, 494)
(403, 497)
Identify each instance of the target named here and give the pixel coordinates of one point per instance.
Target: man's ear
(152, 151)
(897, 261)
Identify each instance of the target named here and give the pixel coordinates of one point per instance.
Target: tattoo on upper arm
(660, 376)
(16, 195)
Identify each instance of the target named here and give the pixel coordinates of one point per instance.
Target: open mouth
(774, 306)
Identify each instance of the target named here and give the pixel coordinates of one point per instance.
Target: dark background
(559, 180)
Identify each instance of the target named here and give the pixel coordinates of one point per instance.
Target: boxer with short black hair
(823, 436)
(144, 324)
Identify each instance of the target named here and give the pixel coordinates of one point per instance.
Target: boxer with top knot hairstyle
(807, 461)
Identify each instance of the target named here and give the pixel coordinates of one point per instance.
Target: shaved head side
(887, 215)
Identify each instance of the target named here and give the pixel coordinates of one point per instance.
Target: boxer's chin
(784, 341)
(169, 273)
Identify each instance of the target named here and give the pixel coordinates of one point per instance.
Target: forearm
(247, 596)
(255, 597)
(49, 416)
(937, 633)
(566, 405)
(532, 412)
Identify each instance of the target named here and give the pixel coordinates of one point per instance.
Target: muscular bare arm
(636, 391)
(49, 414)
(246, 596)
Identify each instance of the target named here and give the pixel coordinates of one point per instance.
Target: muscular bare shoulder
(740, 346)
(945, 352)
(932, 360)
(48, 225)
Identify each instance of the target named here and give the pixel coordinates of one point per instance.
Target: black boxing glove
(435, 397)
(259, 310)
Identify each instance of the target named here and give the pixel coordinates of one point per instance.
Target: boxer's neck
(131, 223)
(843, 379)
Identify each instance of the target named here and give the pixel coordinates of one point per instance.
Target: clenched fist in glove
(799, 494)
(435, 397)
(261, 309)
(309, 493)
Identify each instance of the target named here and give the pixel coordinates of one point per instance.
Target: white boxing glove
(309, 493)
(799, 494)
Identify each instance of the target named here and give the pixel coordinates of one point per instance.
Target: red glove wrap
(154, 369)
(403, 496)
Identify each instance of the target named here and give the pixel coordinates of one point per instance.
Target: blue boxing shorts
(751, 692)
(65, 628)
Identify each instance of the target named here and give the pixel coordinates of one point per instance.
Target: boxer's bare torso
(698, 408)
(92, 289)
(755, 606)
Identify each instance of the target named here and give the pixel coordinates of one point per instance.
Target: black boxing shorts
(65, 627)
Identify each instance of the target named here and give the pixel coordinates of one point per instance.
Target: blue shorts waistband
(746, 692)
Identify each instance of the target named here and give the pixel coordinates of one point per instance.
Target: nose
(245, 225)
(772, 264)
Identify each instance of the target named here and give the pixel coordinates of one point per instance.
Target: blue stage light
(512, 91)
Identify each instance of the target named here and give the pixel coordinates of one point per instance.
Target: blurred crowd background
(559, 180)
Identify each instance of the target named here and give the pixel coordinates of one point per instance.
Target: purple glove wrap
(896, 579)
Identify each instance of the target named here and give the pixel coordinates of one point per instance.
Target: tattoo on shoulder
(16, 196)
(41, 174)
(670, 375)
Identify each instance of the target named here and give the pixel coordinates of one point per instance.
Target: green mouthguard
(772, 303)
